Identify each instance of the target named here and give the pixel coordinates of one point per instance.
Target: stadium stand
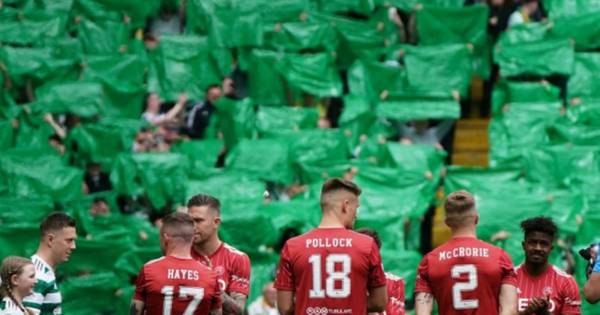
(268, 145)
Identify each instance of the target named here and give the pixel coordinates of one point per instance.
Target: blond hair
(460, 208)
(12, 265)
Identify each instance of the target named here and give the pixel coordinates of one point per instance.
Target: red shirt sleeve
(422, 283)
(216, 303)
(376, 273)
(140, 292)
(285, 279)
(239, 278)
(570, 297)
(509, 276)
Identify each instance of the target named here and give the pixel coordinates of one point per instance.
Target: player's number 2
(184, 292)
(333, 276)
(460, 287)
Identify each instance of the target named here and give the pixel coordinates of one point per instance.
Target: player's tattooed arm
(137, 307)
(234, 303)
(423, 303)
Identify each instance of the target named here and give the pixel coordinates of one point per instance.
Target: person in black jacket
(199, 116)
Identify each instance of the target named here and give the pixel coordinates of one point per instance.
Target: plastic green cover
(390, 227)
(87, 260)
(236, 119)
(414, 108)
(314, 74)
(541, 58)
(265, 83)
(560, 165)
(21, 239)
(160, 176)
(32, 209)
(122, 78)
(7, 134)
(33, 131)
(300, 214)
(90, 294)
(401, 263)
(371, 78)
(297, 36)
(316, 172)
(103, 141)
(412, 5)
(477, 179)
(103, 37)
(443, 68)
(506, 92)
(357, 118)
(565, 132)
(202, 154)
(227, 186)
(340, 6)
(131, 261)
(582, 28)
(269, 119)
(183, 63)
(558, 8)
(39, 175)
(85, 99)
(266, 159)
(247, 227)
(116, 10)
(586, 113)
(31, 27)
(263, 271)
(315, 145)
(438, 25)
(524, 33)
(584, 81)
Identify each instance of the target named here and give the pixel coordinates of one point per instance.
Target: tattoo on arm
(233, 303)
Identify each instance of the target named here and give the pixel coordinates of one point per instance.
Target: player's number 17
(459, 287)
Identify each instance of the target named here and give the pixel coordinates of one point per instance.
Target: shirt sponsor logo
(325, 311)
(328, 243)
(523, 302)
(464, 252)
(219, 270)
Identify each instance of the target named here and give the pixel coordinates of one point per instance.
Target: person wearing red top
(176, 284)
(231, 265)
(332, 269)
(465, 276)
(544, 289)
(395, 285)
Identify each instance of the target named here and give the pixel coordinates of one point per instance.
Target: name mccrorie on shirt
(328, 242)
(464, 252)
(182, 274)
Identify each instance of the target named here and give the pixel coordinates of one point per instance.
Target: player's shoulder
(561, 273)
(232, 251)
(154, 262)
(392, 277)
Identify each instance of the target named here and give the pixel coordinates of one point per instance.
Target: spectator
(591, 290)
(169, 21)
(228, 86)
(58, 129)
(500, 12)
(525, 14)
(265, 304)
(95, 179)
(99, 207)
(421, 132)
(18, 278)
(153, 115)
(200, 114)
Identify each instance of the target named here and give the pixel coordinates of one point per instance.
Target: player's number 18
(333, 276)
(459, 287)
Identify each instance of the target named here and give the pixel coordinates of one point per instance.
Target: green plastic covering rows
(87, 58)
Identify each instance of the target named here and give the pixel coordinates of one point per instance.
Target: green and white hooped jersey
(8, 307)
(46, 297)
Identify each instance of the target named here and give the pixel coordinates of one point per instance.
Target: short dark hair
(179, 224)
(56, 221)
(340, 184)
(539, 224)
(372, 233)
(200, 200)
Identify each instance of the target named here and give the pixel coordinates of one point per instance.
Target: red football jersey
(396, 295)
(330, 271)
(560, 286)
(171, 285)
(465, 275)
(232, 267)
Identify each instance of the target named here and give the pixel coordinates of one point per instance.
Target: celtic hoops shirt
(46, 298)
(8, 307)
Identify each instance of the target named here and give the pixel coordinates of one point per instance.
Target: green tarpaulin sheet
(357, 118)
(116, 10)
(266, 159)
(540, 58)
(265, 83)
(371, 79)
(23, 210)
(412, 5)
(227, 186)
(20, 239)
(298, 36)
(161, 177)
(103, 37)
(340, 6)
(560, 165)
(31, 27)
(270, 119)
(506, 92)
(299, 214)
(122, 79)
(317, 172)
(397, 263)
(558, 8)
(245, 226)
(86, 259)
(202, 155)
(565, 132)
(184, 63)
(582, 28)
(443, 68)
(586, 113)
(315, 145)
(130, 262)
(476, 179)
(584, 81)
(85, 99)
(91, 294)
(7, 134)
(390, 226)
(466, 25)
(524, 33)
(405, 109)
(236, 120)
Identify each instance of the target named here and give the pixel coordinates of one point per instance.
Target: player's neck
(329, 221)
(535, 270)
(46, 255)
(182, 252)
(464, 232)
(209, 247)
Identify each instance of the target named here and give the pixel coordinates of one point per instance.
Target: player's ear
(50, 237)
